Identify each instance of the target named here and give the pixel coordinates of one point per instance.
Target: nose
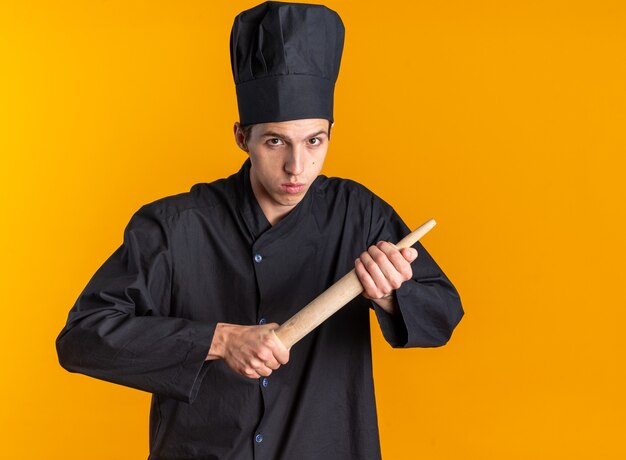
(294, 164)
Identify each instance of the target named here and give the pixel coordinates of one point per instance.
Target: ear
(240, 139)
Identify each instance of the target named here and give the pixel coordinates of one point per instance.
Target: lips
(292, 188)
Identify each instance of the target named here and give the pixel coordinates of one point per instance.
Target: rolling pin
(335, 297)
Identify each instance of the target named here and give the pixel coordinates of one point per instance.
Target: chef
(185, 307)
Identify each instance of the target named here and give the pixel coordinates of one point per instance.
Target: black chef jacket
(146, 320)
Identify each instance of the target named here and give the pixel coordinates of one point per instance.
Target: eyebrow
(282, 136)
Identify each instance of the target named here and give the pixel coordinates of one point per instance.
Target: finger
(389, 259)
(410, 254)
(283, 356)
(250, 373)
(281, 353)
(382, 270)
(400, 265)
(259, 367)
(370, 289)
(268, 343)
(263, 371)
(266, 357)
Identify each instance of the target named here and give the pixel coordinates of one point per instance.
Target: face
(285, 157)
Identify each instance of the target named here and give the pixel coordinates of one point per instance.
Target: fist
(252, 351)
(383, 268)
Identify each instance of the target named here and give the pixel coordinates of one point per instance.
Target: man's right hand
(252, 351)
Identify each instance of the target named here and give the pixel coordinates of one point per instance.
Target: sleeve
(119, 329)
(429, 305)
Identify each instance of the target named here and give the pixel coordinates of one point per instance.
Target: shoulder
(337, 188)
(341, 187)
(201, 196)
(361, 209)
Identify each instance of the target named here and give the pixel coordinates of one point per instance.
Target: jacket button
(259, 438)
(258, 258)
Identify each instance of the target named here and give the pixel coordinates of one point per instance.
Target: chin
(290, 200)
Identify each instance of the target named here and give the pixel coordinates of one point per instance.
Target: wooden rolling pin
(335, 297)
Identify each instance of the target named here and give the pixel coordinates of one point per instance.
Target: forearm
(160, 355)
(427, 313)
(389, 303)
(218, 345)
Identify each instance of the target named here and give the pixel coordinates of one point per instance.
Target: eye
(275, 141)
(315, 141)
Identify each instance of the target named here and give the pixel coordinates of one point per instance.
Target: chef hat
(285, 59)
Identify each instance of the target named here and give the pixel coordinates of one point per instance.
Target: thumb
(410, 254)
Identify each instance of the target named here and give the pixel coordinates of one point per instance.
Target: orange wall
(502, 120)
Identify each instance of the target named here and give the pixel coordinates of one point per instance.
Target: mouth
(292, 189)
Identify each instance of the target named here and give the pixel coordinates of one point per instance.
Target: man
(185, 308)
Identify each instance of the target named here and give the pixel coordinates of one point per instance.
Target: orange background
(502, 120)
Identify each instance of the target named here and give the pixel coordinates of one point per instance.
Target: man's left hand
(382, 269)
